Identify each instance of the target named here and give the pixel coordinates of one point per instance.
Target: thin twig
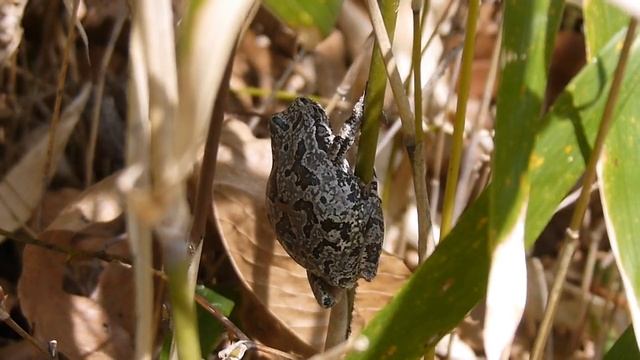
(62, 76)
(6, 317)
(349, 77)
(98, 92)
(267, 102)
(441, 20)
(231, 327)
(573, 231)
(236, 332)
(419, 169)
(440, 141)
(75, 253)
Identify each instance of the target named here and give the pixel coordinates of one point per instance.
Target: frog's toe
(325, 294)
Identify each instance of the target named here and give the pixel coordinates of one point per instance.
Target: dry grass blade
(20, 190)
(201, 66)
(138, 134)
(99, 91)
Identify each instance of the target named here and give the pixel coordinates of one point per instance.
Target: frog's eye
(279, 123)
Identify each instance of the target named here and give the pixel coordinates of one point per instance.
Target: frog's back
(317, 211)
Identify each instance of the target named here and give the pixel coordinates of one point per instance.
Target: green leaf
(601, 22)
(528, 36)
(619, 180)
(453, 279)
(210, 329)
(618, 171)
(374, 97)
(312, 19)
(625, 348)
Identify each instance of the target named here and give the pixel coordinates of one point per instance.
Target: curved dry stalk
(98, 92)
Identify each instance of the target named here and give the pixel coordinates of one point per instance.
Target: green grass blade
(625, 347)
(528, 35)
(454, 278)
(374, 98)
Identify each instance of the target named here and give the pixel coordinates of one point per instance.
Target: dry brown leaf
(278, 283)
(99, 323)
(22, 188)
(20, 350)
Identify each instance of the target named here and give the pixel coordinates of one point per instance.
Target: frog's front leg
(325, 294)
(373, 234)
(343, 141)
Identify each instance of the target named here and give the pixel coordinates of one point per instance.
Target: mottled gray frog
(324, 216)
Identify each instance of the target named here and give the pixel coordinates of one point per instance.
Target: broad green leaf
(311, 19)
(618, 171)
(528, 36)
(619, 181)
(567, 133)
(601, 22)
(210, 329)
(625, 347)
(454, 278)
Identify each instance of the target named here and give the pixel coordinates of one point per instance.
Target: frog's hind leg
(343, 141)
(373, 235)
(324, 293)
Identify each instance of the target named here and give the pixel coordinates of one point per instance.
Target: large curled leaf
(452, 280)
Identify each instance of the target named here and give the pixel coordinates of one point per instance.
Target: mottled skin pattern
(323, 215)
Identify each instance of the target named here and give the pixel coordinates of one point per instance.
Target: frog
(327, 219)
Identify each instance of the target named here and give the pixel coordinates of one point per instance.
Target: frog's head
(296, 121)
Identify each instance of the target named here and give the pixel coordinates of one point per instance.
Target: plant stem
(402, 102)
(374, 97)
(418, 160)
(338, 321)
(408, 120)
(461, 111)
(573, 231)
